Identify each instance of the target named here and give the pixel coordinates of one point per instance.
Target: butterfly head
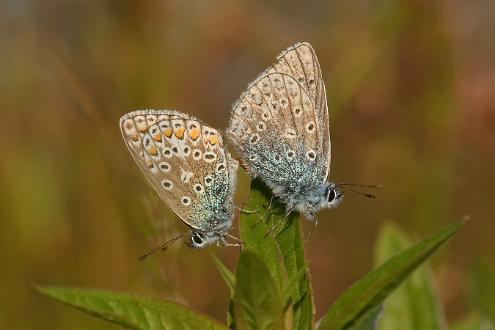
(328, 195)
(221, 221)
(311, 200)
(332, 195)
(202, 239)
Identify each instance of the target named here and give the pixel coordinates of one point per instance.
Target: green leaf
(369, 320)
(482, 288)
(256, 234)
(374, 287)
(229, 278)
(282, 249)
(227, 275)
(132, 312)
(291, 241)
(415, 304)
(292, 283)
(257, 300)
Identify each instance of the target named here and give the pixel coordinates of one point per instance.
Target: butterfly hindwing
(280, 123)
(300, 61)
(185, 162)
(274, 127)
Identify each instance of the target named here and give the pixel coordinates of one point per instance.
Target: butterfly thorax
(217, 224)
(218, 219)
(309, 199)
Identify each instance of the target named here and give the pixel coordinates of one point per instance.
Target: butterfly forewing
(185, 162)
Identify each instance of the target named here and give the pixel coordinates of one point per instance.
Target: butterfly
(280, 128)
(185, 162)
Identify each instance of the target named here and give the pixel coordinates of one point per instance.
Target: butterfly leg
(269, 206)
(268, 212)
(262, 219)
(244, 211)
(249, 212)
(288, 210)
(315, 223)
(279, 221)
(273, 227)
(234, 244)
(234, 238)
(225, 243)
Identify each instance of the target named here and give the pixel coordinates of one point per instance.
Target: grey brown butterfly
(280, 128)
(185, 162)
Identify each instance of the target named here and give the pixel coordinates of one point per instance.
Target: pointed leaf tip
(132, 311)
(374, 287)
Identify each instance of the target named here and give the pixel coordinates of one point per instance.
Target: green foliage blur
(412, 106)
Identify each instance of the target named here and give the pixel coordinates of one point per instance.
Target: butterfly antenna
(362, 193)
(361, 185)
(162, 247)
(350, 185)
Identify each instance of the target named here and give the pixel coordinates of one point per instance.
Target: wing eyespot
(220, 168)
(208, 180)
(167, 153)
(197, 154)
(310, 127)
(167, 185)
(209, 157)
(185, 200)
(254, 139)
(266, 115)
(198, 188)
(311, 155)
(165, 167)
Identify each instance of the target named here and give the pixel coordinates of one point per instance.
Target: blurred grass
(410, 88)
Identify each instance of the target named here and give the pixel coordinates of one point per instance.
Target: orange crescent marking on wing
(194, 133)
(179, 132)
(168, 132)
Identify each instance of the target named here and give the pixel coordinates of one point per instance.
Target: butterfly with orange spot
(185, 162)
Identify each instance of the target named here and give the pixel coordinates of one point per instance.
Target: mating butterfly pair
(279, 127)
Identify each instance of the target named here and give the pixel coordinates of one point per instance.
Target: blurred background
(411, 92)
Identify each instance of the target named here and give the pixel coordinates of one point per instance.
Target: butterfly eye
(196, 238)
(331, 195)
